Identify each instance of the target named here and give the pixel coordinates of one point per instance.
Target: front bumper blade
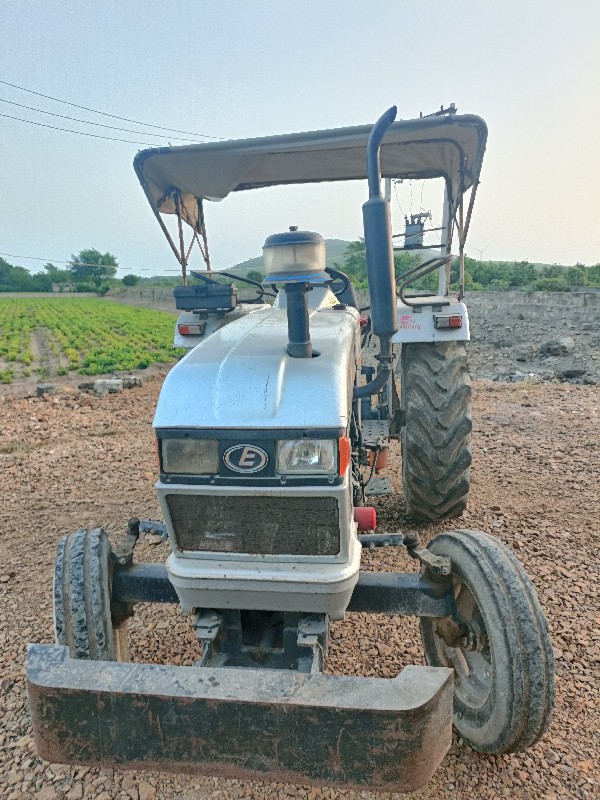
(274, 725)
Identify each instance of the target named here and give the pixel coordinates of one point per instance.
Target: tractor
(272, 436)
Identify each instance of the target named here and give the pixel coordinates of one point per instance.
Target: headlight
(190, 456)
(307, 457)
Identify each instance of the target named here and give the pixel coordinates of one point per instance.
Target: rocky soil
(537, 336)
(73, 460)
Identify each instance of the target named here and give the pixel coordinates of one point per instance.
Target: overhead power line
(84, 264)
(87, 122)
(80, 133)
(106, 114)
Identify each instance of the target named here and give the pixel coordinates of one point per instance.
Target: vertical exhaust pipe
(378, 238)
(380, 258)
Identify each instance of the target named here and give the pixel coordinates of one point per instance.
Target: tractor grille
(265, 525)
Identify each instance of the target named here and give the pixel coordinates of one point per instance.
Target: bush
(131, 280)
(85, 287)
(550, 285)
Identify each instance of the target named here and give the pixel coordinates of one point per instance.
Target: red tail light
(448, 320)
(191, 328)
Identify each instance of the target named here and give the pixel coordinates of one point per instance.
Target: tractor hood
(241, 376)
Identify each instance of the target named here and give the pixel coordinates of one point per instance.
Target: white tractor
(271, 439)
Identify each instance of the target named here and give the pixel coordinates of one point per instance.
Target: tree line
(93, 271)
(88, 271)
(488, 276)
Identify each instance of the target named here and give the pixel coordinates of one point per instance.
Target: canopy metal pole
(445, 239)
(182, 258)
(461, 249)
(164, 229)
(202, 229)
(464, 238)
(470, 209)
(189, 250)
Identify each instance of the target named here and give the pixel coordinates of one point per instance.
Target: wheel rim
(472, 662)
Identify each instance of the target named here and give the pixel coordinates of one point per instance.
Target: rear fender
(417, 324)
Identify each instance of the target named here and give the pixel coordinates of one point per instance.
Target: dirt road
(70, 461)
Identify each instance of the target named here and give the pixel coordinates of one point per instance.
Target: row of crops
(89, 336)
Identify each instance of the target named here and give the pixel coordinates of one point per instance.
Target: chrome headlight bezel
(325, 450)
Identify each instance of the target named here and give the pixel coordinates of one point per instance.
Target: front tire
(436, 439)
(83, 621)
(504, 667)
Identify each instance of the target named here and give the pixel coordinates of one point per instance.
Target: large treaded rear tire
(436, 438)
(504, 688)
(82, 598)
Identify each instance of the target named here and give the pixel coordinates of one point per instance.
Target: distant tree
(92, 266)
(557, 284)
(355, 266)
(58, 275)
(131, 280)
(554, 271)
(576, 276)
(15, 279)
(593, 275)
(254, 275)
(523, 273)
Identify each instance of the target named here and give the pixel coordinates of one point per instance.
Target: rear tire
(504, 679)
(82, 598)
(436, 437)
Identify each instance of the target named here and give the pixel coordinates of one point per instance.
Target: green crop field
(54, 336)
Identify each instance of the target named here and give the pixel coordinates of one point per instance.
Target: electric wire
(106, 114)
(87, 122)
(79, 133)
(398, 199)
(83, 263)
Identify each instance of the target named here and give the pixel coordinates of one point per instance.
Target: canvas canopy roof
(446, 146)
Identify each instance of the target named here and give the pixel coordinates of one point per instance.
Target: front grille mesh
(265, 525)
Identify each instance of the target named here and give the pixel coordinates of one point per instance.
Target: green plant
(550, 285)
(92, 336)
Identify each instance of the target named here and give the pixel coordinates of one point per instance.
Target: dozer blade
(274, 725)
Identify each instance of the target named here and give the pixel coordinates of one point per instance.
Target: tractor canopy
(177, 179)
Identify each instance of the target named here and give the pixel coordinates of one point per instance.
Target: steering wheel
(261, 291)
(336, 275)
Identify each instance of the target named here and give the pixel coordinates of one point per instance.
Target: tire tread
(436, 438)
(82, 617)
(529, 687)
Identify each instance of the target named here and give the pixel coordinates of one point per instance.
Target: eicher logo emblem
(406, 322)
(245, 458)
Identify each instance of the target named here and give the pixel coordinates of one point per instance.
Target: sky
(231, 69)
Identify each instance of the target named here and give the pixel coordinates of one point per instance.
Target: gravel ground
(515, 337)
(71, 460)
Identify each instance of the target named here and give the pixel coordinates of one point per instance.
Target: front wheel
(497, 644)
(83, 618)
